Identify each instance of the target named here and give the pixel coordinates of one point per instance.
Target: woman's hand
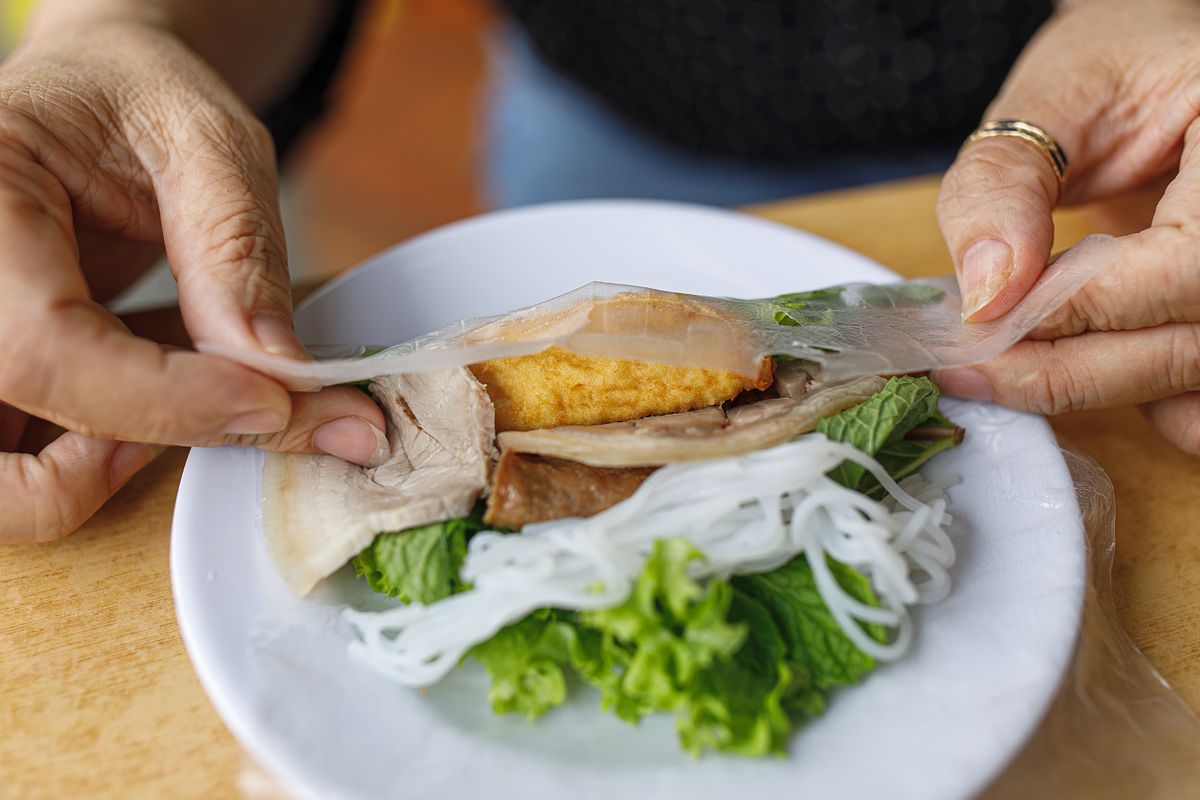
(117, 141)
(1118, 85)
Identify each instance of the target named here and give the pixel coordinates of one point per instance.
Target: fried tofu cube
(556, 387)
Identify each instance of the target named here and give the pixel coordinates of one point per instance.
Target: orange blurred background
(395, 154)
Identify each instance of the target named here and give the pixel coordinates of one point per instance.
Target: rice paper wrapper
(1116, 728)
(851, 330)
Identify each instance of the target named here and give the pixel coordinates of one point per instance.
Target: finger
(1094, 370)
(69, 361)
(339, 421)
(1178, 420)
(218, 204)
(1180, 204)
(48, 496)
(1155, 275)
(995, 200)
(1154, 278)
(994, 208)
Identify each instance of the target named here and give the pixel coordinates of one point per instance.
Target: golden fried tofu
(556, 387)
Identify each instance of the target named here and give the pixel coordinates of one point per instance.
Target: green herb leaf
(813, 637)
(904, 403)
(818, 307)
(903, 458)
(418, 565)
(736, 705)
(526, 661)
(671, 627)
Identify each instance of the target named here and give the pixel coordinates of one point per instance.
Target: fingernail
(352, 439)
(986, 268)
(965, 382)
(276, 336)
(263, 421)
(127, 459)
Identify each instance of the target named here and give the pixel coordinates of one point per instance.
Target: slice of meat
(527, 488)
(694, 435)
(320, 511)
(795, 377)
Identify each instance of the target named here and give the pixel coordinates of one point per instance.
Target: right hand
(1115, 82)
(116, 141)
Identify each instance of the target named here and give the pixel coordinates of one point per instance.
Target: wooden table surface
(97, 697)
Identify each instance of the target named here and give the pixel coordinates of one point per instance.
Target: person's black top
(305, 99)
(781, 81)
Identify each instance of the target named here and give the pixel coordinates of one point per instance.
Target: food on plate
(530, 488)
(695, 435)
(725, 548)
(556, 387)
(320, 511)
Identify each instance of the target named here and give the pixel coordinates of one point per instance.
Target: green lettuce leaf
(735, 661)
(418, 565)
(526, 662)
(671, 627)
(737, 704)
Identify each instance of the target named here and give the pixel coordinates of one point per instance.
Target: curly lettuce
(418, 565)
(736, 661)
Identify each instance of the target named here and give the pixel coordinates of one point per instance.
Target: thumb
(994, 208)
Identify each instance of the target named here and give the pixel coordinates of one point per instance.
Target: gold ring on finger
(1031, 134)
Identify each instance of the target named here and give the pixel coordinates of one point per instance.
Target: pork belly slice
(320, 511)
(529, 488)
(694, 435)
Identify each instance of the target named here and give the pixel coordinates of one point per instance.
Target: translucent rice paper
(857, 329)
(1116, 729)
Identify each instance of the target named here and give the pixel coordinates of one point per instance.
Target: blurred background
(440, 109)
(393, 155)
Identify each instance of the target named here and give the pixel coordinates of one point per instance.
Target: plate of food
(615, 551)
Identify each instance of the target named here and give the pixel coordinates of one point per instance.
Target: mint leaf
(807, 308)
(813, 638)
(418, 565)
(900, 295)
(903, 458)
(818, 307)
(904, 403)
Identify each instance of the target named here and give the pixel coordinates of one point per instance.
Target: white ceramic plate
(939, 724)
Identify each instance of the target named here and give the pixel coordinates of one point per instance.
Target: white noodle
(746, 514)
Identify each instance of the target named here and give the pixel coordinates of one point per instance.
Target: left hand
(117, 141)
(1118, 85)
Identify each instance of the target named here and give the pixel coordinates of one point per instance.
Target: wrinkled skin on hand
(1118, 85)
(116, 143)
